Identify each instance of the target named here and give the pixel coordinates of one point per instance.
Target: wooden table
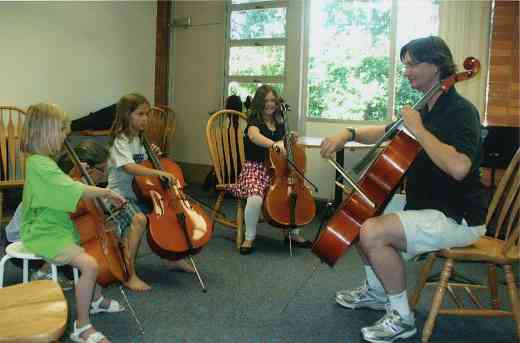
(32, 312)
(315, 142)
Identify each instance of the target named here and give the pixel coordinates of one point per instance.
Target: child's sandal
(114, 306)
(95, 337)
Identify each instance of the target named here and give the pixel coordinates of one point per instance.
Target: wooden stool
(32, 312)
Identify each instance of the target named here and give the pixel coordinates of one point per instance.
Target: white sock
(373, 282)
(251, 214)
(399, 302)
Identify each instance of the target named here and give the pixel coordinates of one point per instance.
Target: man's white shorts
(430, 230)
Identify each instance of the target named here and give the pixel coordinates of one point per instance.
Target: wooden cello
(96, 232)
(177, 227)
(379, 181)
(288, 202)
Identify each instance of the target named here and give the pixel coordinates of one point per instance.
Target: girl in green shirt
(49, 196)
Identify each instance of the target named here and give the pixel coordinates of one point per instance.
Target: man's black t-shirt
(253, 151)
(454, 121)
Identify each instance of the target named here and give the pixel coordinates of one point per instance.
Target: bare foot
(134, 283)
(181, 266)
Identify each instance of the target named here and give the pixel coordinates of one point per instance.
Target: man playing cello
(439, 181)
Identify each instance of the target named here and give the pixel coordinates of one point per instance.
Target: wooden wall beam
(162, 52)
(503, 107)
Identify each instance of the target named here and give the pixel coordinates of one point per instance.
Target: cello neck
(395, 126)
(77, 163)
(151, 155)
(472, 68)
(287, 138)
(156, 163)
(84, 174)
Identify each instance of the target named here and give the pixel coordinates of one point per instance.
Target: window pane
(349, 62)
(243, 89)
(349, 59)
(257, 60)
(415, 19)
(258, 23)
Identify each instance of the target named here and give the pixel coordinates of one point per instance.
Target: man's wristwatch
(352, 133)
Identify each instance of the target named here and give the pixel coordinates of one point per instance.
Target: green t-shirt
(49, 196)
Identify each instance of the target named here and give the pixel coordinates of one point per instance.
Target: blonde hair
(125, 106)
(44, 129)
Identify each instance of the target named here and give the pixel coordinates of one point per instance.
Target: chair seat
(485, 249)
(18, 250)
(12, 184)
(32, 312)
(224, 187)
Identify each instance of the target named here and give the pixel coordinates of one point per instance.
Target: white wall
(80, 55)
(198, 76)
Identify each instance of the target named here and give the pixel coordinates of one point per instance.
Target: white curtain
(465, 26)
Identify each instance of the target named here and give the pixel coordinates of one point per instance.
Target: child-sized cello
(288, 202)
(97, 232)
(178, 228)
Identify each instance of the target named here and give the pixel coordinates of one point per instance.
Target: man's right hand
(334, 143)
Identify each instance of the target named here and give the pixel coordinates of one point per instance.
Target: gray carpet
(268, 296)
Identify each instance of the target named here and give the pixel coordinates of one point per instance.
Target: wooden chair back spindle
(12, 160)
(225, 137)
(161, 127)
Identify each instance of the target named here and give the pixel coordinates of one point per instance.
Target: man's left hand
(412, 120)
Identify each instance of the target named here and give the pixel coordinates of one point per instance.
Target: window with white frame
(257, 40)
(352, 68)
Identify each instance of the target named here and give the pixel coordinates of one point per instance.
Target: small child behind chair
(49, 196)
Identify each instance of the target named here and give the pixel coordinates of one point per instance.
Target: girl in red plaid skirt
(264, 130)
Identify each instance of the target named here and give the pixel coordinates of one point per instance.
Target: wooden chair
(32, 312)
(501, 249)
(161, 127)
(12, 167)
(225, 136)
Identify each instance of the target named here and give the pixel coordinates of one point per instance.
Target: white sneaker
(361, 297)
(390, 328)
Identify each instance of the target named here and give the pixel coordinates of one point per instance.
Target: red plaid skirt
(254, 179)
